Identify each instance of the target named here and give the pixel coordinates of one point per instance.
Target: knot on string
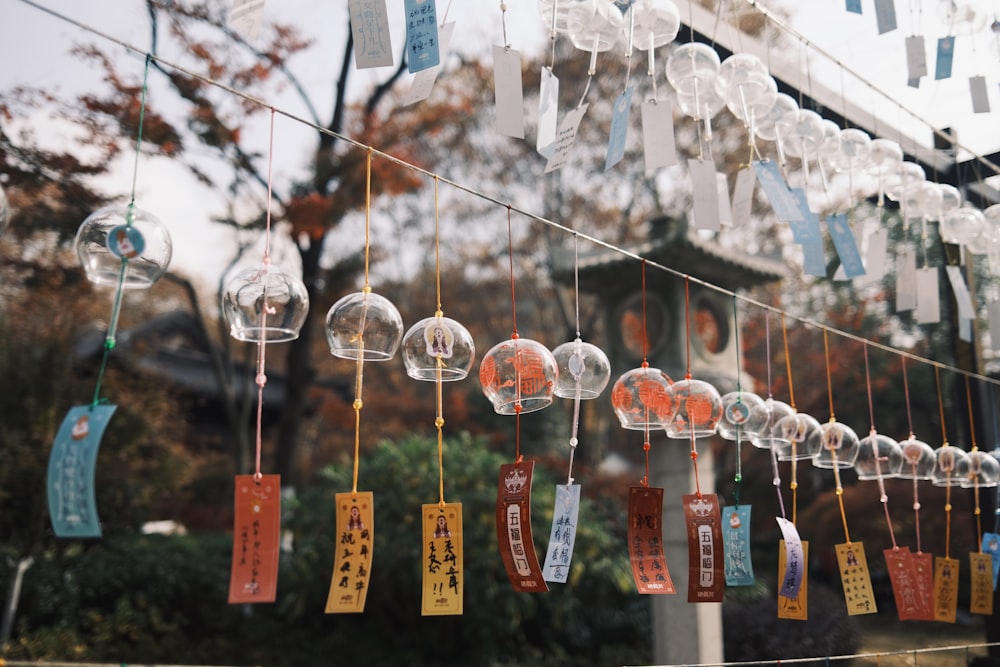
(840, 491)
(644, 364)
(515, 335)
(260, 380)
(947, 507)
(793, 486)
(737, 478)
(520, 460)
(645, 446)
(978, 511)
(257, 477)
(439, 422)
(916, 507)
(573, 442)
(694, 456)
(884, 498)
(518, 408)
(358, 404)
(109, 343)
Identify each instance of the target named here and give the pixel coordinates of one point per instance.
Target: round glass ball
(642, 398)
(265, 304)
(438, 346)
(364, 325)
(797, 430)
(123, 244)
(837, 446)
(744, 414)
(518, 375)
(918, 459)
(584, 370)
(949, 460)
(878, 455)
(697, 411)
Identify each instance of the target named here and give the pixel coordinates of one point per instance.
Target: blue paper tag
(783, 202)
(619, 129)
(945, 54)
(847, 249)
(885, 16)
(563, 534)
(991, 546)
(70, 482)
(806, 233)
(736, 545)
(422, 47)
(854, 6)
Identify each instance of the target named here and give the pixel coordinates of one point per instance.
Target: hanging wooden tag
(517, 549)
(945, 589)
(981, 574)
(706, 579)
(794, 608)
(856, 578)
(736, 541)
(72, 464)
(353, 563)
(443, 564)
(903, 577)
(562, 537)
(923, 569)
(256, 539)
(645, 540)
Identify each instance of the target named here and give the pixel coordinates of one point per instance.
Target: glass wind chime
(262, 305)
(125, 248)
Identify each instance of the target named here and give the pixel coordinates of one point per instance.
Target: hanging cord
(578, 379)
(645, 364)
(872, 435)
(503, 24)
(913, 464)
(439, 365)
(116, 308)
(360, 364)
(552, 36)
(776, 476)
(833, 452)
(974, 474)
(513, 310)
(794, 484)
(687, 376)
(738, 477)
(629, 47)
(947, 488)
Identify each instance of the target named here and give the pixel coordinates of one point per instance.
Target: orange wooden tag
(923, 570)
(856, 578)
(945, 589)
(517, 549)
(253, 576)
(443, 566)
(645, 540)
(903, 577)
(796, 608)
(981, 589)
(353, 563)
(706, 576)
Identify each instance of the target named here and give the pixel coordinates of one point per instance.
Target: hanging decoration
(262, 305)
(946, 568)
(127, 248)
(433, 346)
(518, 376)
(362, 326)
(584, 372)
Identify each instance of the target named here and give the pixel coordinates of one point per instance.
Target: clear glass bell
(778, 120)
(947, 462)
(962, 225)
(697, 411)
(806, 135)
(979, 469)
(776, 411)
(123, 244)
(364, 325)
(642, 398)
(882, 449)
(4, 212)
(692, 68)
(904, 181)
(265, 304)
(837, 446)
(855, 150)
(656, 23)
(584, 370)
(918, 459)
(743, 413)
(518, 375)
(438, 342)
(885, 157)
(796, 437)
(595, 25)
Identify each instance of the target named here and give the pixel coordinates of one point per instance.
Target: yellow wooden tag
(981, 593)
(797, 608)
(443, 567)
(352, 566)
(945, 589)
(856, 579)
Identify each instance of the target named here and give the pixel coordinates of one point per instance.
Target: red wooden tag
(706, 576)
(923, 571)
(645, 540)
(903, 576)
(256, 545)
(517, 549)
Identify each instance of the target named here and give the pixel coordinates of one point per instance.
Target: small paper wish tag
(563, 534)
(704, 194)
(993, 323)
(854, 6)
(645, 540)
(370, 31)
(923, 571)
(928, 299)
(736, 541)
(843, 242)
(619, 129)
(906, 279)
(945, 54)
(548, 113)
(72, 463)
(903, 577)
(422, 47)
(808, 234)
(792, 559)
(981, 589)
(980, 98)
(875, 255)
(856, 579)
(783, 202)
(916, 57)
(706, 576)
(424, 80)
(565, 138)
(443, 564)
(508, 91)
(794, 608)
(253, 576)
(991, 545)
(945, 589)
(742, 203)
(353, 562)
(245, 15)
(885, 15)
(659, 148)
(963, 300)
(517, 549)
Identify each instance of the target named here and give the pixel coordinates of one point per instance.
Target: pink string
(261, 378)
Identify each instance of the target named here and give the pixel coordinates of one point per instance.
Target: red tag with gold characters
(256, 543)
(903, 576)
(855, 577)
(981, 590)
(794, 608)
(706, 577)
(645, 540)
(517, 549)
(443, 565)
(923, 572)
(945, 589)
(353, 563)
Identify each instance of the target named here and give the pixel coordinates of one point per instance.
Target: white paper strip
(508, 91)
(963, 299)
(906, 280)
(658, 145)
(370, 30)
(548, 113)
(423, 81)
(565, 138)
(704, 194)
(928, 301)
